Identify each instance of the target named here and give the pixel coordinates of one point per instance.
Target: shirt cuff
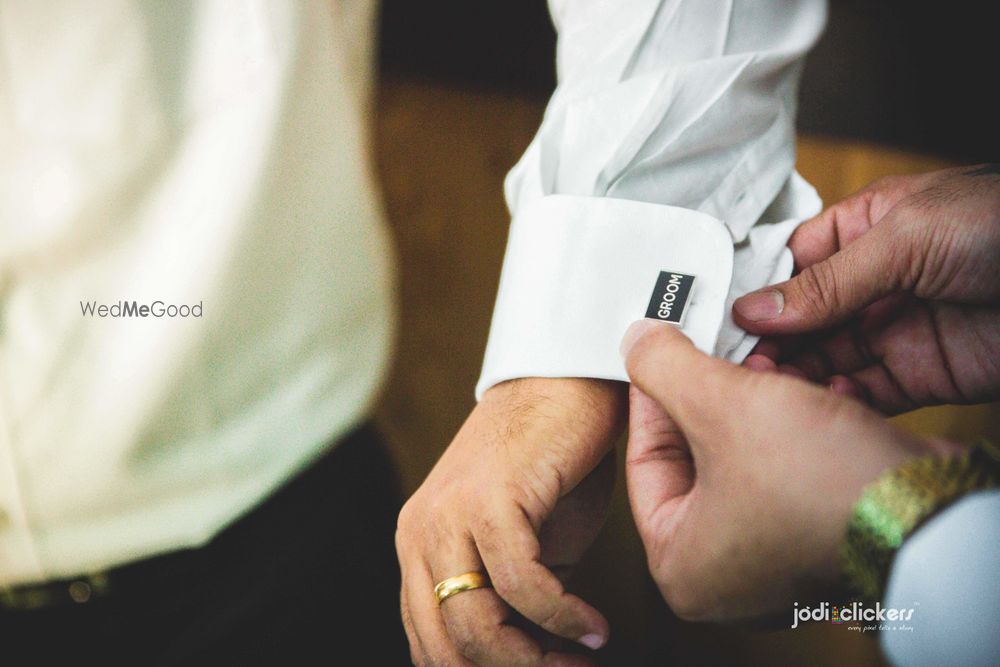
(579, 270)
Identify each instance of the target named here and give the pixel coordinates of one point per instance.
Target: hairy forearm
(580, 405)
(573, 420)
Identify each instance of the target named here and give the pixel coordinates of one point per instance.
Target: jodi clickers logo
(854, 612)
(136, 309)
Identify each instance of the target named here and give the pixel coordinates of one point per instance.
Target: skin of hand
(520, 494)
(897, 298)
(741, 482)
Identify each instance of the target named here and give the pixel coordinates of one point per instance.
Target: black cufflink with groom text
(670, 297)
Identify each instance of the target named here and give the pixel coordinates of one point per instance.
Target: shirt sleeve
(946, 572)
(665, 157)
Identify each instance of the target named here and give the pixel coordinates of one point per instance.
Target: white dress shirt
(668, 146)
(208, 152)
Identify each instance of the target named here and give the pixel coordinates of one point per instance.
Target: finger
(773, 350)
(881, 391)
(576, 520)
(659, 470)
(828, 292)
(477, 624)
(820, 237)
(843, 351)
(768, 347)
(431, 640)
(846, 221)
(845, 386)
(759, 362)
(512, 555)
(557, 651)
(695, 389)
(474, 621)
(855, 346)
(788, 369)
(483, 628)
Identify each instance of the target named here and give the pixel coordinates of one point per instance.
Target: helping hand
(898, 292)
(741, 482)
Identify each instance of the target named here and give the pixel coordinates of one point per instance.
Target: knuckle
(404, 525)
(405, 518)
(917, 246)
(421, 521)
(435, 508)
(465, 638)
(506, 580)
(884, 184)
(817, 284)
(889, 186)
(553, 619)
(401, 540)
(488, 535)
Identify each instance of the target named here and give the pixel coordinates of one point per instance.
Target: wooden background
(442, 154)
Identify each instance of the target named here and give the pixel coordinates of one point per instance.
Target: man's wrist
(586, 405)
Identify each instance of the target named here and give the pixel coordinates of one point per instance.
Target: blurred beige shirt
(212, 153)
(208, 152)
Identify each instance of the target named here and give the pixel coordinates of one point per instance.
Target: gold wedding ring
(469, 581)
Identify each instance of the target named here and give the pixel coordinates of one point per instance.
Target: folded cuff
(579, 270)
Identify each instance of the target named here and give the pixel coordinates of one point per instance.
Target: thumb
(828, 292)
(659, 470)
(695, 390)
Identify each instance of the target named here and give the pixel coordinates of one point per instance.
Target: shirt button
(79, 591)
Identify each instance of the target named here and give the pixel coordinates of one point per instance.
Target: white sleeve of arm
(948, 572)
(666, 150)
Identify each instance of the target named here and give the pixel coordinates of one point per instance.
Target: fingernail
(759, 306)
(593, 641)
(636, 331)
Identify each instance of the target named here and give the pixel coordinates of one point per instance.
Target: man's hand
(742, 482)
(898, 293)
(520, 494)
